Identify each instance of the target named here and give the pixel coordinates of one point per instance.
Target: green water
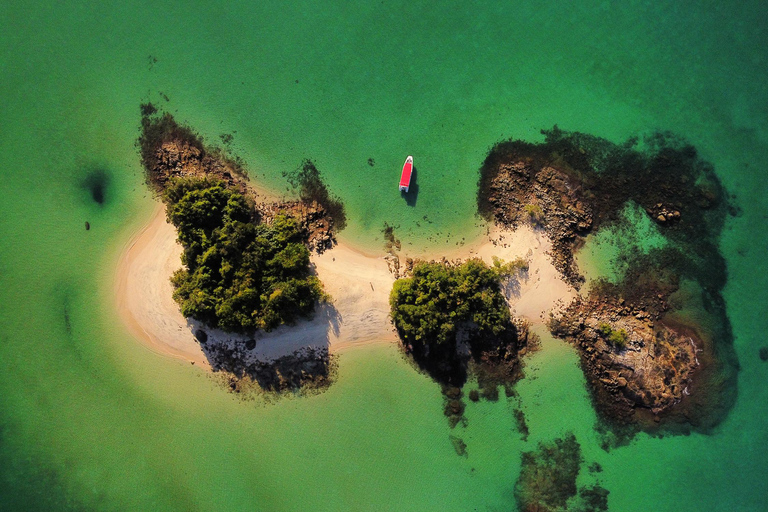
(91, 420)
(601, 254)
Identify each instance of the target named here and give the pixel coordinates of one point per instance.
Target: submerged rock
(547, 481)
(459, 445)
(548, 476)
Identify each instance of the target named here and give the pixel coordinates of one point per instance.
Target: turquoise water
(91, 420)
(600, 257)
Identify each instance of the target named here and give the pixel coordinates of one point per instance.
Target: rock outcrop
(550, 199)
(638, 353)
(631, 359)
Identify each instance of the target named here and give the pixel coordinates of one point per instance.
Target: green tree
(239, 276)
(441, 303)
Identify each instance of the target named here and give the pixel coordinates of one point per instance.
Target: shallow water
(89, 419)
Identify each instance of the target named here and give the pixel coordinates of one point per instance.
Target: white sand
(359, 284)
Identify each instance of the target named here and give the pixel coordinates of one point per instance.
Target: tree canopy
(239, 276)
(442, 303)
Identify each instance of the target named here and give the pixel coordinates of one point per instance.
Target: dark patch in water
(87, 225)
(459, 445)
(148, 109)
(547, 480)
(764, 353)
(67, 321)
(522, 425)
(97, 183)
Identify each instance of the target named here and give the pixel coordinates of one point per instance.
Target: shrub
(239, 276)
(605, 329)
(618, 338)
(535, 214)
(506, 269)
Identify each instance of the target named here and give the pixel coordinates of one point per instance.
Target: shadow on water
(413, 191)
(288, 358)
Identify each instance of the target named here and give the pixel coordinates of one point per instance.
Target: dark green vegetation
(547, 481)
(448, 313)
(616, 337)
(239, 276)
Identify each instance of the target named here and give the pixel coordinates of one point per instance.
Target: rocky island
(656, 345)
(246, 259)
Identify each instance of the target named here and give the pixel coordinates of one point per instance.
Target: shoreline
(358, 281)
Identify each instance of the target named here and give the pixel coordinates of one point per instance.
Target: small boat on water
(405, 177)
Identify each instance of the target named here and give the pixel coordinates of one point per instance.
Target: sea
(92, 420)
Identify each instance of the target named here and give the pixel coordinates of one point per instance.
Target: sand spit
(359, 284)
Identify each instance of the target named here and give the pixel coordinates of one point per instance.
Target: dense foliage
(239, 276)
(443, 303)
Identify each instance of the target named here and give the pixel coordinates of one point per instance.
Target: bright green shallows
(636, 232)
(91, 420)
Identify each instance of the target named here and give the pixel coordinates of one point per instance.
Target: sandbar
(358, 282)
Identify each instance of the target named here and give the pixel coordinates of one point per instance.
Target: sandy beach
(359, 284)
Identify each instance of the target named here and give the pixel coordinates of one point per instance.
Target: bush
(617, 338)
(429, 308)
(535, 214)
(506, 269)
(239, 276)
(605, 329)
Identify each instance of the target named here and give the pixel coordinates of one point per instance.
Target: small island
(246, 262)
(449, 315)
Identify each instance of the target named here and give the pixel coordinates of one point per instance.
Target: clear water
(91, 420)
(600, 257)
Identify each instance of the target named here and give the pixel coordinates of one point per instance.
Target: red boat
(405, 177)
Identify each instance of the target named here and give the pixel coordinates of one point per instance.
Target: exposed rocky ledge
(631, 359)
(641, 355)
(548, 198)
(302, 370)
